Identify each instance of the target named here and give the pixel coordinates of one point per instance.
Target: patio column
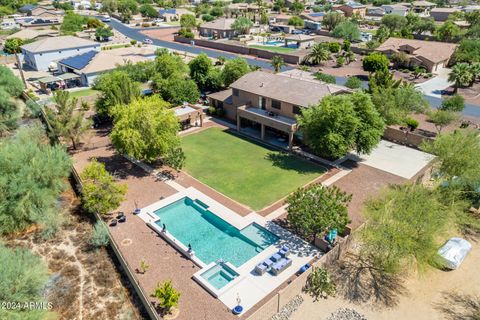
(290, 140)
(201, 120)
(238, 123)
(262, 131)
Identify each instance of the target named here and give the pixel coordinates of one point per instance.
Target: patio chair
(276, 257)
(113, 223)
(260, 269)
(284, 251)
(122, 219)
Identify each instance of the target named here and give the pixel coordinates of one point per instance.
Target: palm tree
(277, 63)
(475, 71)
(318, 54)
(460, 75)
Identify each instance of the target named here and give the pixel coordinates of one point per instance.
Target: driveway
(434, 86)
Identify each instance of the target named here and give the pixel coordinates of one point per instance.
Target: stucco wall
(286, 109)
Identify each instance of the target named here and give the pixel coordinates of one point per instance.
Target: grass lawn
(244, 170)
(273, 48)
(83, 93)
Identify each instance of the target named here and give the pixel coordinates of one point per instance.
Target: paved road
(470, 109)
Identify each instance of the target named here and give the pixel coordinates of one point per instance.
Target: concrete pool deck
(250, 287)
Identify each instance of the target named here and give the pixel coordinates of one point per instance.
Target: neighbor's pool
(219, 275)
(212, 238)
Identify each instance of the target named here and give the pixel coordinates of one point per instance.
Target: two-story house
(42, 54)
(271, 102)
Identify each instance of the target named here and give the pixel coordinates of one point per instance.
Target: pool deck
(249, 286)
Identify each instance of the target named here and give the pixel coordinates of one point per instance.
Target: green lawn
(83, 93)
(273, 48)
(243, 170)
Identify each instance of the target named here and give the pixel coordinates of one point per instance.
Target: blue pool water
(212, 238)
(219, 275)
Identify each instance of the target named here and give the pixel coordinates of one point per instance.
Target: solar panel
(317, 14)
(80, 61)
(167, 11)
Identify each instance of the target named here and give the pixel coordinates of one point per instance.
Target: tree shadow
(289, 162)
(359, 281)
(457, 306)
(121, 168)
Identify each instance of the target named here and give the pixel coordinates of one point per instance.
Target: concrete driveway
(436, 85)
(395, 159)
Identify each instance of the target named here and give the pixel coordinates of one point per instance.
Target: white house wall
(41, 61)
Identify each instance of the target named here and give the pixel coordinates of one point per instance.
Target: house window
(59, 51)
(297, 110)
(41, 54)
(276, 104)
(235, 92)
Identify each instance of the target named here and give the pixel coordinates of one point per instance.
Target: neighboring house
(432, 55)
(398, 9)
(313, 16)
(170, 15)
(33, 34)
(85, 4)
(301, 41)
(471, 8)
(422, 8)
(352, 8)
(236, 8)
(40, 54)
(26, 9)
(271, 102)
(8, 24)
(442, 14)
(89, 65)
(280, 18)
(375, 12)
(306, 3)
(45, 12)
(219, 29)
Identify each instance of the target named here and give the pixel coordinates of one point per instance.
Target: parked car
(147, 41)
(106, 19)
(297, 31)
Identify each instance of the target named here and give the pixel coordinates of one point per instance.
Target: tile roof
(27, 34)
(287, 88)
(58, 43)
(430, 50)
(219, 24)
(423, 4)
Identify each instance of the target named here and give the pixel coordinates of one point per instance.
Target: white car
(106, 19)
(147, 41)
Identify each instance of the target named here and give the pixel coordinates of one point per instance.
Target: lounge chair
(276, 257)
(260, 269)
(122, 219)
(281, 265)
(284, 251)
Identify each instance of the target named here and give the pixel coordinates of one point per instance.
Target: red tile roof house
(272, 101)
(430, 54)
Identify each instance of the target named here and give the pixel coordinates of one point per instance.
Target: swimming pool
(212, 238)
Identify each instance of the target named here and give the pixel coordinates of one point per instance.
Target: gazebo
(189, 115)
(62, 81)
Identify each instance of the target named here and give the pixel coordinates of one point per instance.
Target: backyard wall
(241, 49)
(410, 139)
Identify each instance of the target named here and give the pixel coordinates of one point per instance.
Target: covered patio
(281, 129)
(189, 115)
(62, 81)
(302, 41)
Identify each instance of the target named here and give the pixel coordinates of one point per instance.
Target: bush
(186, 33)
(411, 123)
(99, 237)
(325, 78)
(133, 42)
(375, 62)
(207, 18)
(167, 296)
(455, 103)
(353, 83)
(212, 110)
(319, 283)
(296, 21)
(334, 47)
(340, 61)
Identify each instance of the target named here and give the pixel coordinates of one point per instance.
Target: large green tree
(317, 209)
(468, 51)
(146, 129)
(117, 88)
(13, 45)
(188, 21)
(33, 176)
(233, 70)
(126, 9)
(403, 226)
(347, 30)
(66, 121)
(200, 68)
(332, 19)
(242, 25)
(460, 75)
(448, 31)
(176, 89)
(342, 123)
(317, 55)
(22, 280)
(10, 87)
(394, 22)
(72, 23)
(375, 62)
(100, 193)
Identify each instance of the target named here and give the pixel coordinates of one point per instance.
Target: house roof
(98, 61)
(423, 4)
(290, 89)
(27, 8)
(395, 6)
(58, 43)
(299, 37)
(354, 5)
(446, 10)
(27, 34)
(221, 95)
(219, 24)
(430, 50)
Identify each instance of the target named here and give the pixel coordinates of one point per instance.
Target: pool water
(219, 275)
(212, 238)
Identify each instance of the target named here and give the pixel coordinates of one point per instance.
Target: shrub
(167, 296)
(375, 62)
(296, 21)
(99, 237)
(319, 283)
(133, 42)
(186, 33)
(212, 110)
(325, 78)
(411, 123)
(334, 47)
(455, 103)
(340, 61)
(207, 18)
(353, 83)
